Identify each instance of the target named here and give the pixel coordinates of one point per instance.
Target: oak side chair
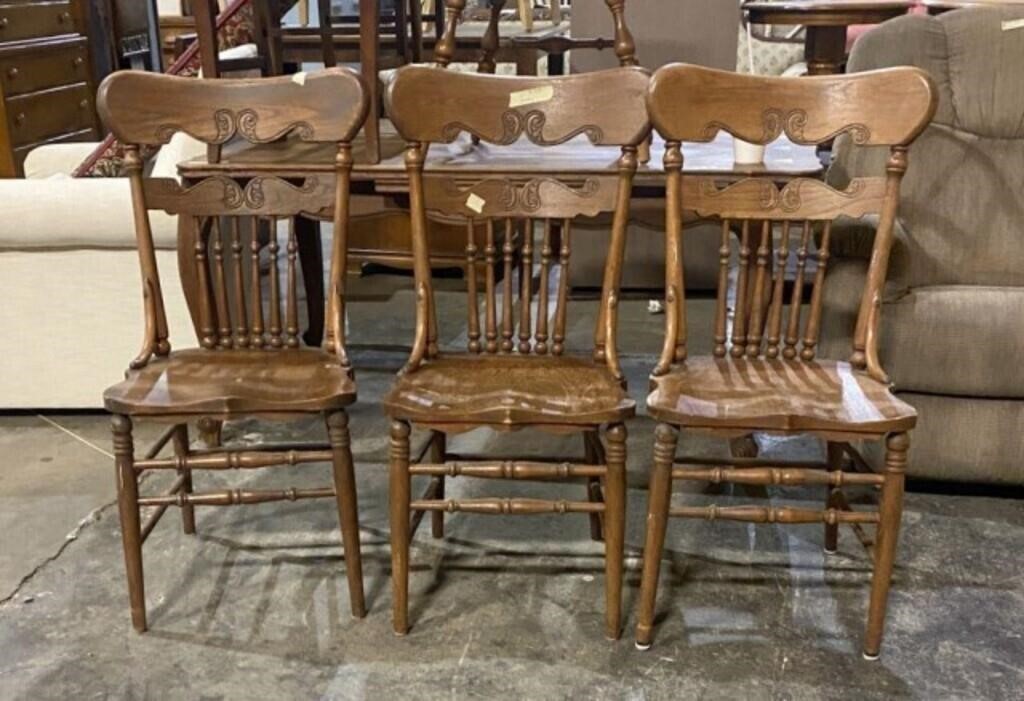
(250, 361)
(516, 374)
(764, 375)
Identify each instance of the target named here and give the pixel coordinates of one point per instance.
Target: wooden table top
(825, 12)
(294, 158)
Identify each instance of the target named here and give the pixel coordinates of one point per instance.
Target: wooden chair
(764, 374)
(514, 379)
(250, 361)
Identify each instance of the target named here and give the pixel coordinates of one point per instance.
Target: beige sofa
(952, 329)
(72, 308)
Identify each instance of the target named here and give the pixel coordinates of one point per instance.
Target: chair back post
(888, 108)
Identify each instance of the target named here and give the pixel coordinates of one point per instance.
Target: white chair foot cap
(642, 646)
(831, 552)
(870, 658)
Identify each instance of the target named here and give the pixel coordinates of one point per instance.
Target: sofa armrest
(56, 159)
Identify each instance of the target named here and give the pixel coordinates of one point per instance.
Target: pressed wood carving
(250, 359)
(763, 373)
(517, 372)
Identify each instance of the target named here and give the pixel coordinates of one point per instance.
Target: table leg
(825, 50)
(311, 258)
(369, 57)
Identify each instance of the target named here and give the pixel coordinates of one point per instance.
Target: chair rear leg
(614, 527)
(891, 513)
(438, 453)
(348, 508)
(832, 500)
(188, 511)
(210, 431)
(592, 451)
(128, 507)
(399, 510)
(658, 497)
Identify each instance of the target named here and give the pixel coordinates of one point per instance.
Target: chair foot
(830, 551)
(643, 647)
(869, 657)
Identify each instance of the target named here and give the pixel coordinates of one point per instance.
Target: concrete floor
(256, 605)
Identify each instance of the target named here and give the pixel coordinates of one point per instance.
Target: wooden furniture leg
(614, 528)
(205, 13)
(834, 452)
(526, 14)
(327, 33)
(399, 509)
(348, 510)
(416, 18)
(311, 257)
(659, 495)
(491, 39)
(891, 513)
(825, 50)
(181, 450)
(131, 526)
(594, 455)
(369, 61)
(438, 454)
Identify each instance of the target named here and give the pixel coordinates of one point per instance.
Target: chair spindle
(721, 305)
(256, 327)
(491, 320)
(275, 288)
(507, 249)
(742, 313)
(206, 321)
(778, 291)
(292, 311)
(238, 287)
(814, 320)
(561, 309)
(541, 345)
(755, 333)
(526, 285)
(471, 291)
(793, 330)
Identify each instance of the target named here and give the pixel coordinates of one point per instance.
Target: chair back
(520, 217)
(689, 103)
(227, 222)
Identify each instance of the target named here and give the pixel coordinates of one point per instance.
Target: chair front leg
(614, 527)
(891, 513)
(348, 508)
(399, 510)
(594, 455)
(438, 454)
(658, 497)
(131, 526)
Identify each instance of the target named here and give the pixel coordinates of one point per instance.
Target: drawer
(22, 152)
(37, 20)
(44, 68)
(40, 115)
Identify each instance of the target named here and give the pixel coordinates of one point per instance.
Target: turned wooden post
(128, 507)
(348, 508)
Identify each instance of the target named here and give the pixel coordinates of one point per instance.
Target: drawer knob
(84, 104)
(78, 61)
(3, 22)
(64, 17)
(12, 73)
(20, 118)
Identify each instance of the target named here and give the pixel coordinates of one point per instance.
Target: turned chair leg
(188, 511)
(128, 506)
(210, 432)
(348, 508)
(891, 513)
(658, 497)
(614, 527)
(438, 453)
(399, 510)
(832, 500)
(593, 453)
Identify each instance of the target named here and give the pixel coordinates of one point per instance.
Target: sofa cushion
(957, 340)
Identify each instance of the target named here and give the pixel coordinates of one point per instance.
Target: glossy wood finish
(250, 360)
(517, 373)
(763, 374)
(826, 22)
(936, 7)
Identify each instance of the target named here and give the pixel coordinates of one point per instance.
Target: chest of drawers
(46, 90)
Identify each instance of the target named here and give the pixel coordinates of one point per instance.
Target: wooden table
(826, 22)
(936, 7)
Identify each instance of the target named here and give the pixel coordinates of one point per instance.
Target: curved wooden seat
(197, 381)
(509, 390)
(776, 395)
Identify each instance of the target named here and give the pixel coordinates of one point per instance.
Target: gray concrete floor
(256, 605)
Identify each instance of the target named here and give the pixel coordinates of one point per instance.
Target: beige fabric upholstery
(952, 327)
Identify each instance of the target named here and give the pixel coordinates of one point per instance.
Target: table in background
(936, 7)
(826, 22)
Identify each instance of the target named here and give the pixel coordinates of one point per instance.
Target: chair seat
(776, 395)
(509, 390)
(198, 381)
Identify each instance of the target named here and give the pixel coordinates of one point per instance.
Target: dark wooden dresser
(46, 90)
